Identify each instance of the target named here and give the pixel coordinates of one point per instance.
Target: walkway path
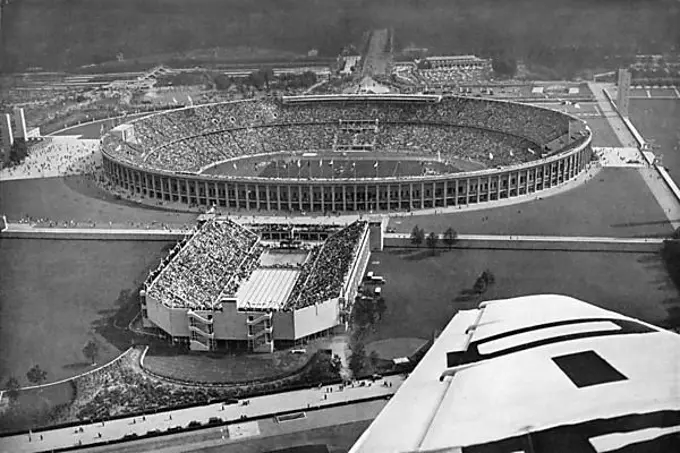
(61, 157)
(146, 234)
(274, 432)
(300, 400)
(522, 238)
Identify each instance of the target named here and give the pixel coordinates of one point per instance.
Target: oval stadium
(345, 153)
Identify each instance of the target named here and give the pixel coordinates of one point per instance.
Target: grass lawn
(33, 407)
(56, 295)
(395, 347)
(603, 134)
(659, 123)
(423, 291)
(228, 368)
(76, 198)
(615, 203)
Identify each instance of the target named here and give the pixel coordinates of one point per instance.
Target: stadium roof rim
(367, 97)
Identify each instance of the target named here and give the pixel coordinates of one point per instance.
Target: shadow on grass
(87, 186)
(467, 297)
(654, 258)
(77, 366)
(422, 254)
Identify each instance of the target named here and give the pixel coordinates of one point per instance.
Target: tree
(91, 351)
(336, 363)
(432, 241)
(504, 65)
(357, 358)
(417, 236)
(450, 237)
(480, 285)
(381, 306)
(13, 387)
(483, 282)
(676, 234)
(373, 359)
(36, 375)
(488, 277)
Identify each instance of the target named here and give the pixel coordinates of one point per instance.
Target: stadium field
(616, 203)
(340, 166)
(56, 295)
(659, 123)
(424, 291)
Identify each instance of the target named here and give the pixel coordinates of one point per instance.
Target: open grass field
(659, 123)
(56, 295)
(424, 291)
(603, 134)
(33, 407)
(615, 203)
(76, 198)
(227, 368)
(69, 33)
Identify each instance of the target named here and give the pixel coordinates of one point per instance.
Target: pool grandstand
(198, 156)
(227, 286)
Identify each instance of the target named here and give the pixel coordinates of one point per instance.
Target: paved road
(300, 400)
(544, 239)
(270, 432)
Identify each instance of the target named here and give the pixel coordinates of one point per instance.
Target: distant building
(6, 137)
(125, 132)
(349, 65)
(458, 61)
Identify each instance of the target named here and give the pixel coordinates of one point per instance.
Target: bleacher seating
(190, 139)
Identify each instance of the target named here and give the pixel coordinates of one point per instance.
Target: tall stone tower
(623, 92)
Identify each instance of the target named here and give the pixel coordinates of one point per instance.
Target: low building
(458, 61)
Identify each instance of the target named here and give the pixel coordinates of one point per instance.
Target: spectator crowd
(192, 139)
(222, 255)
(196, 273)
(328, 269)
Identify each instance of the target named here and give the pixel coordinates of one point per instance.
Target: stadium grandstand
(288, 154)
(230, 287)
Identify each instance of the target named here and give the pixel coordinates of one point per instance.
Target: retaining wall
(94, 235)
(517, 243)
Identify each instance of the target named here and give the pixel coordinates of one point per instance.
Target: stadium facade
(163, 156)
(219, 289)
